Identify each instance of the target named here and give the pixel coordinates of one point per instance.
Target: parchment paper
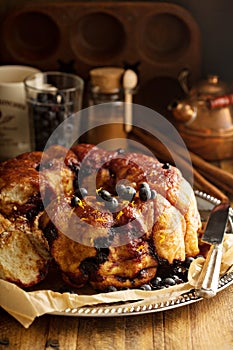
(26, 306)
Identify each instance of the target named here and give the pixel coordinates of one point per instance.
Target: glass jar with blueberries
(51, 98)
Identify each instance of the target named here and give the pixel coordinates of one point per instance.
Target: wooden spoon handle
(128, 120)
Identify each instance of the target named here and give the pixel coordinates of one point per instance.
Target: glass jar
(105, 87)
(51, 98)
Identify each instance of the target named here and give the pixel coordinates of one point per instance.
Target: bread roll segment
(92, 243)
(24, 254)
(24, 251)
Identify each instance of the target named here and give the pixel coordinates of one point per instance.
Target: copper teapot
(205, 117)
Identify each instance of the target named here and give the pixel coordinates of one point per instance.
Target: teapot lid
(211, 86)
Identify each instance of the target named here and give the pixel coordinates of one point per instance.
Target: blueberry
(144, 185)
(162, 287)
(188, 261)
(81, 192)
(110, 289)
(144, 193)
(102, 253)
(166, 166)
(88, 266)
(156, 282)
(177, 279)
(75, 201)
(153, 194)
(42, 97)
(105, 195)
(128, 193)
(146, 287)
(120, 189)
(169, 281)
(112, 204)
(177, 262)
(50, 98)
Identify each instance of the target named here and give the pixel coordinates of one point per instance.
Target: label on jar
(14, 128)
(14, 121)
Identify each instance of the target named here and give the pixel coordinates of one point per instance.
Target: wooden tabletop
(203, 325)
(206, 324)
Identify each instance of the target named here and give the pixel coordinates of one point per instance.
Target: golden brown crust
(69, 254)
(88, 242)
(168, 231)
(19, 186)
(22, 181)
(143, 277)
(58, 152)
(24, 255)
(100, 254)
(131, 265)
(82, 149)
(33, 157)
(169, 183)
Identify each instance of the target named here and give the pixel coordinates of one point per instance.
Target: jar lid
(106, 79)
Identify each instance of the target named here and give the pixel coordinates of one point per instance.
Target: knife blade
(216, 224)
(207, 285)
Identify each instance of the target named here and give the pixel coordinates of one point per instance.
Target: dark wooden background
(214, 18)
(208, 53)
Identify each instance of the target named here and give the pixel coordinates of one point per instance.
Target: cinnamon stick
(204, 185)
(220, 177)
(216, 175)
(216, 181)
(188, 171)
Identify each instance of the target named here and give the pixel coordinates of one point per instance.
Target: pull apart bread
(24, 251)
(107, 218)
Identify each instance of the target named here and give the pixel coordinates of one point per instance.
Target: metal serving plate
(205, 203)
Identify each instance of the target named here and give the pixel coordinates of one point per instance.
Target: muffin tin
(160, 38)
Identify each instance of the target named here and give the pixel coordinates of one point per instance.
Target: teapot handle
(183, 80)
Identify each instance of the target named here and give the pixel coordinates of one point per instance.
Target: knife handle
(209, 277)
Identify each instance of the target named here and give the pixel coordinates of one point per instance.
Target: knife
(207, 285)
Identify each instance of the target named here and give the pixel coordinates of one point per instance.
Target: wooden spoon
(130, 81)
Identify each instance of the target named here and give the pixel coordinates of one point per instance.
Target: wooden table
(203, 325)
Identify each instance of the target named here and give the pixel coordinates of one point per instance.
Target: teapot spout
(183, 112)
